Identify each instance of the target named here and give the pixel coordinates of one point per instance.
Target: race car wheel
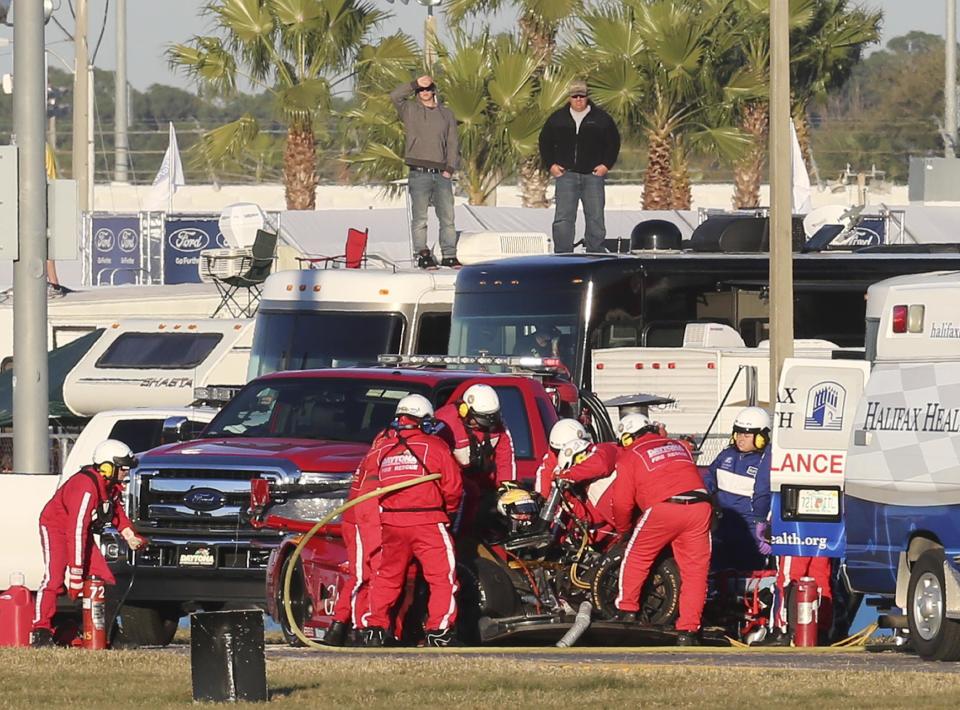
(659, 600)
(485, 590)
(934, 636)
(300, 603)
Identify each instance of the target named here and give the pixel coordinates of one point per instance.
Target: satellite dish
(239, 224)
(821, 216)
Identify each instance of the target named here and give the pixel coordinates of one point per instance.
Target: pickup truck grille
(197, 499)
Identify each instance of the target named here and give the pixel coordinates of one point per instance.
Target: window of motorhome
(163, 351)
(433, 334)
(286, 340)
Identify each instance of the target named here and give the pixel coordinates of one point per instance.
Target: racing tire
(659, 599)
(934, 636)
(485, 590)
(300, 604)
(145, 626)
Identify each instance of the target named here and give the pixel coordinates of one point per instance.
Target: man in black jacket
(579, 145)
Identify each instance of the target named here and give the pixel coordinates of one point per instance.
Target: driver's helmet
(517, 505)
(566, 430)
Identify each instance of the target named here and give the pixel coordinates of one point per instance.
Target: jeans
(572, 188)
(426, 189)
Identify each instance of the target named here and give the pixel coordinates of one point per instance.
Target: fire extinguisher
(807, 600)
(94, 614)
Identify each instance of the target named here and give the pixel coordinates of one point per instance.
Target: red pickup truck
(301, 428)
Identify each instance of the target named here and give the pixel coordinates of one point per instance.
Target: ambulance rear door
(813, 420)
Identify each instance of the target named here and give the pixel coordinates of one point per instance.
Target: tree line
(685, 79)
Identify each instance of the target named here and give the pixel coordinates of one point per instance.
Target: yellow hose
(325, 520)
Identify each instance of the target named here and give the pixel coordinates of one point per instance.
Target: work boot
(374, 637)
(774, 638)
(688, 638)
(426, 260)
(337, 634)
(451, 261)
(42, 638)
(627, 617)
(441, 639)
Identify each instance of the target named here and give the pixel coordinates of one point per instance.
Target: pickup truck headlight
(308, 477)
(313, 505)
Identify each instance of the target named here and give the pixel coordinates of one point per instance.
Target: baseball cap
(577, 86)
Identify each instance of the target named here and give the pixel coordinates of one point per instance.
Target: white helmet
(111, 455)
(631, 424)
(481, 405)
(570, 453)
(415, 405)
(752, 420)
(565, 430)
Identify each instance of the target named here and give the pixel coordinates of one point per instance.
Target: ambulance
(866, 461)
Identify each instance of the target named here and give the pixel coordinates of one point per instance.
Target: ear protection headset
(463, 409)
(760, 438)
(427, 425)
(107, 469)
(626, 439)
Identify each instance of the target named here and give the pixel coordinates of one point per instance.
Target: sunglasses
(431, 88)
(578, 96)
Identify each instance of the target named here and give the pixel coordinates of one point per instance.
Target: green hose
(325, 520)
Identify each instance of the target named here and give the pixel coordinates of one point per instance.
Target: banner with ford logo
(116, 256)
(183, 241)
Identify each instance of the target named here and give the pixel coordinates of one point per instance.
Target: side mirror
(179, 428)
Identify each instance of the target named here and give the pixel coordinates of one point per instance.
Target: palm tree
(539, 22)
(654, 64)
(297, 50)
(489, 84)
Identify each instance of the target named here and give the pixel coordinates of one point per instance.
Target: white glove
(134, 541)
(74, 581)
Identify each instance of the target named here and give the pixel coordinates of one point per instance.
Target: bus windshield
(286, 340)
(544, 324)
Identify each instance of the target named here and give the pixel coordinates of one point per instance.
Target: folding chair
(252, 270)
(354, 256)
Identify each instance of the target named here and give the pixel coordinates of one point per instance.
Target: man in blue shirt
(739, 480)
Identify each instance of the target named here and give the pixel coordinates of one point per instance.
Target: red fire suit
(66, 538)
(360, 528)
(658, 476)
(600, 462)
(414, 524)
(789, 571)
(486, 457)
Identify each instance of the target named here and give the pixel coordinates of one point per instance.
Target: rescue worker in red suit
(81, 507)
(415, 523)
(474, 431)
(657, 475)
(789, 571)
(360, 529)
(563, 431)
(590, 468)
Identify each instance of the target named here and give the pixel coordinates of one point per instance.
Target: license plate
(198, 557)
(811, 501)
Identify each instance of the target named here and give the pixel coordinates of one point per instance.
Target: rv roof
(880, 293)
(360, 285)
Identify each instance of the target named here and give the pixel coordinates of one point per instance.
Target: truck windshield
(303, 341)
(519, 323)
(332, 409)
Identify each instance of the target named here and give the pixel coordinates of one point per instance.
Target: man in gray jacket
(432, 153)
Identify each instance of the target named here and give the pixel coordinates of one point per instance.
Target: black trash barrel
(226, 656)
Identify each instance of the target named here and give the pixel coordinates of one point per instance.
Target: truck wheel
(300, 604)
(934, 636)
(659, 600)
(146, 626)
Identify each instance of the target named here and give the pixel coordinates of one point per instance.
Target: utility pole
(81, 107)
(950, 82)
(781, 249)
(120, 95)
(31, 450)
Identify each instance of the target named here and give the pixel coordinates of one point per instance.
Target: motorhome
(643, 299)
(341, 317)
(867, 465)
(76, 313)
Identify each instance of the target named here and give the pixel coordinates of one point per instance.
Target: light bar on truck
(215, 394)
(518, 362)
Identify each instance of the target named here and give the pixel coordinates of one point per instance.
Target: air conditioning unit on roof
(475, 247)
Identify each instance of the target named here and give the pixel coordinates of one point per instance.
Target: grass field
(62, 678)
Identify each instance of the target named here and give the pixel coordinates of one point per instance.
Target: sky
(155, 24)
